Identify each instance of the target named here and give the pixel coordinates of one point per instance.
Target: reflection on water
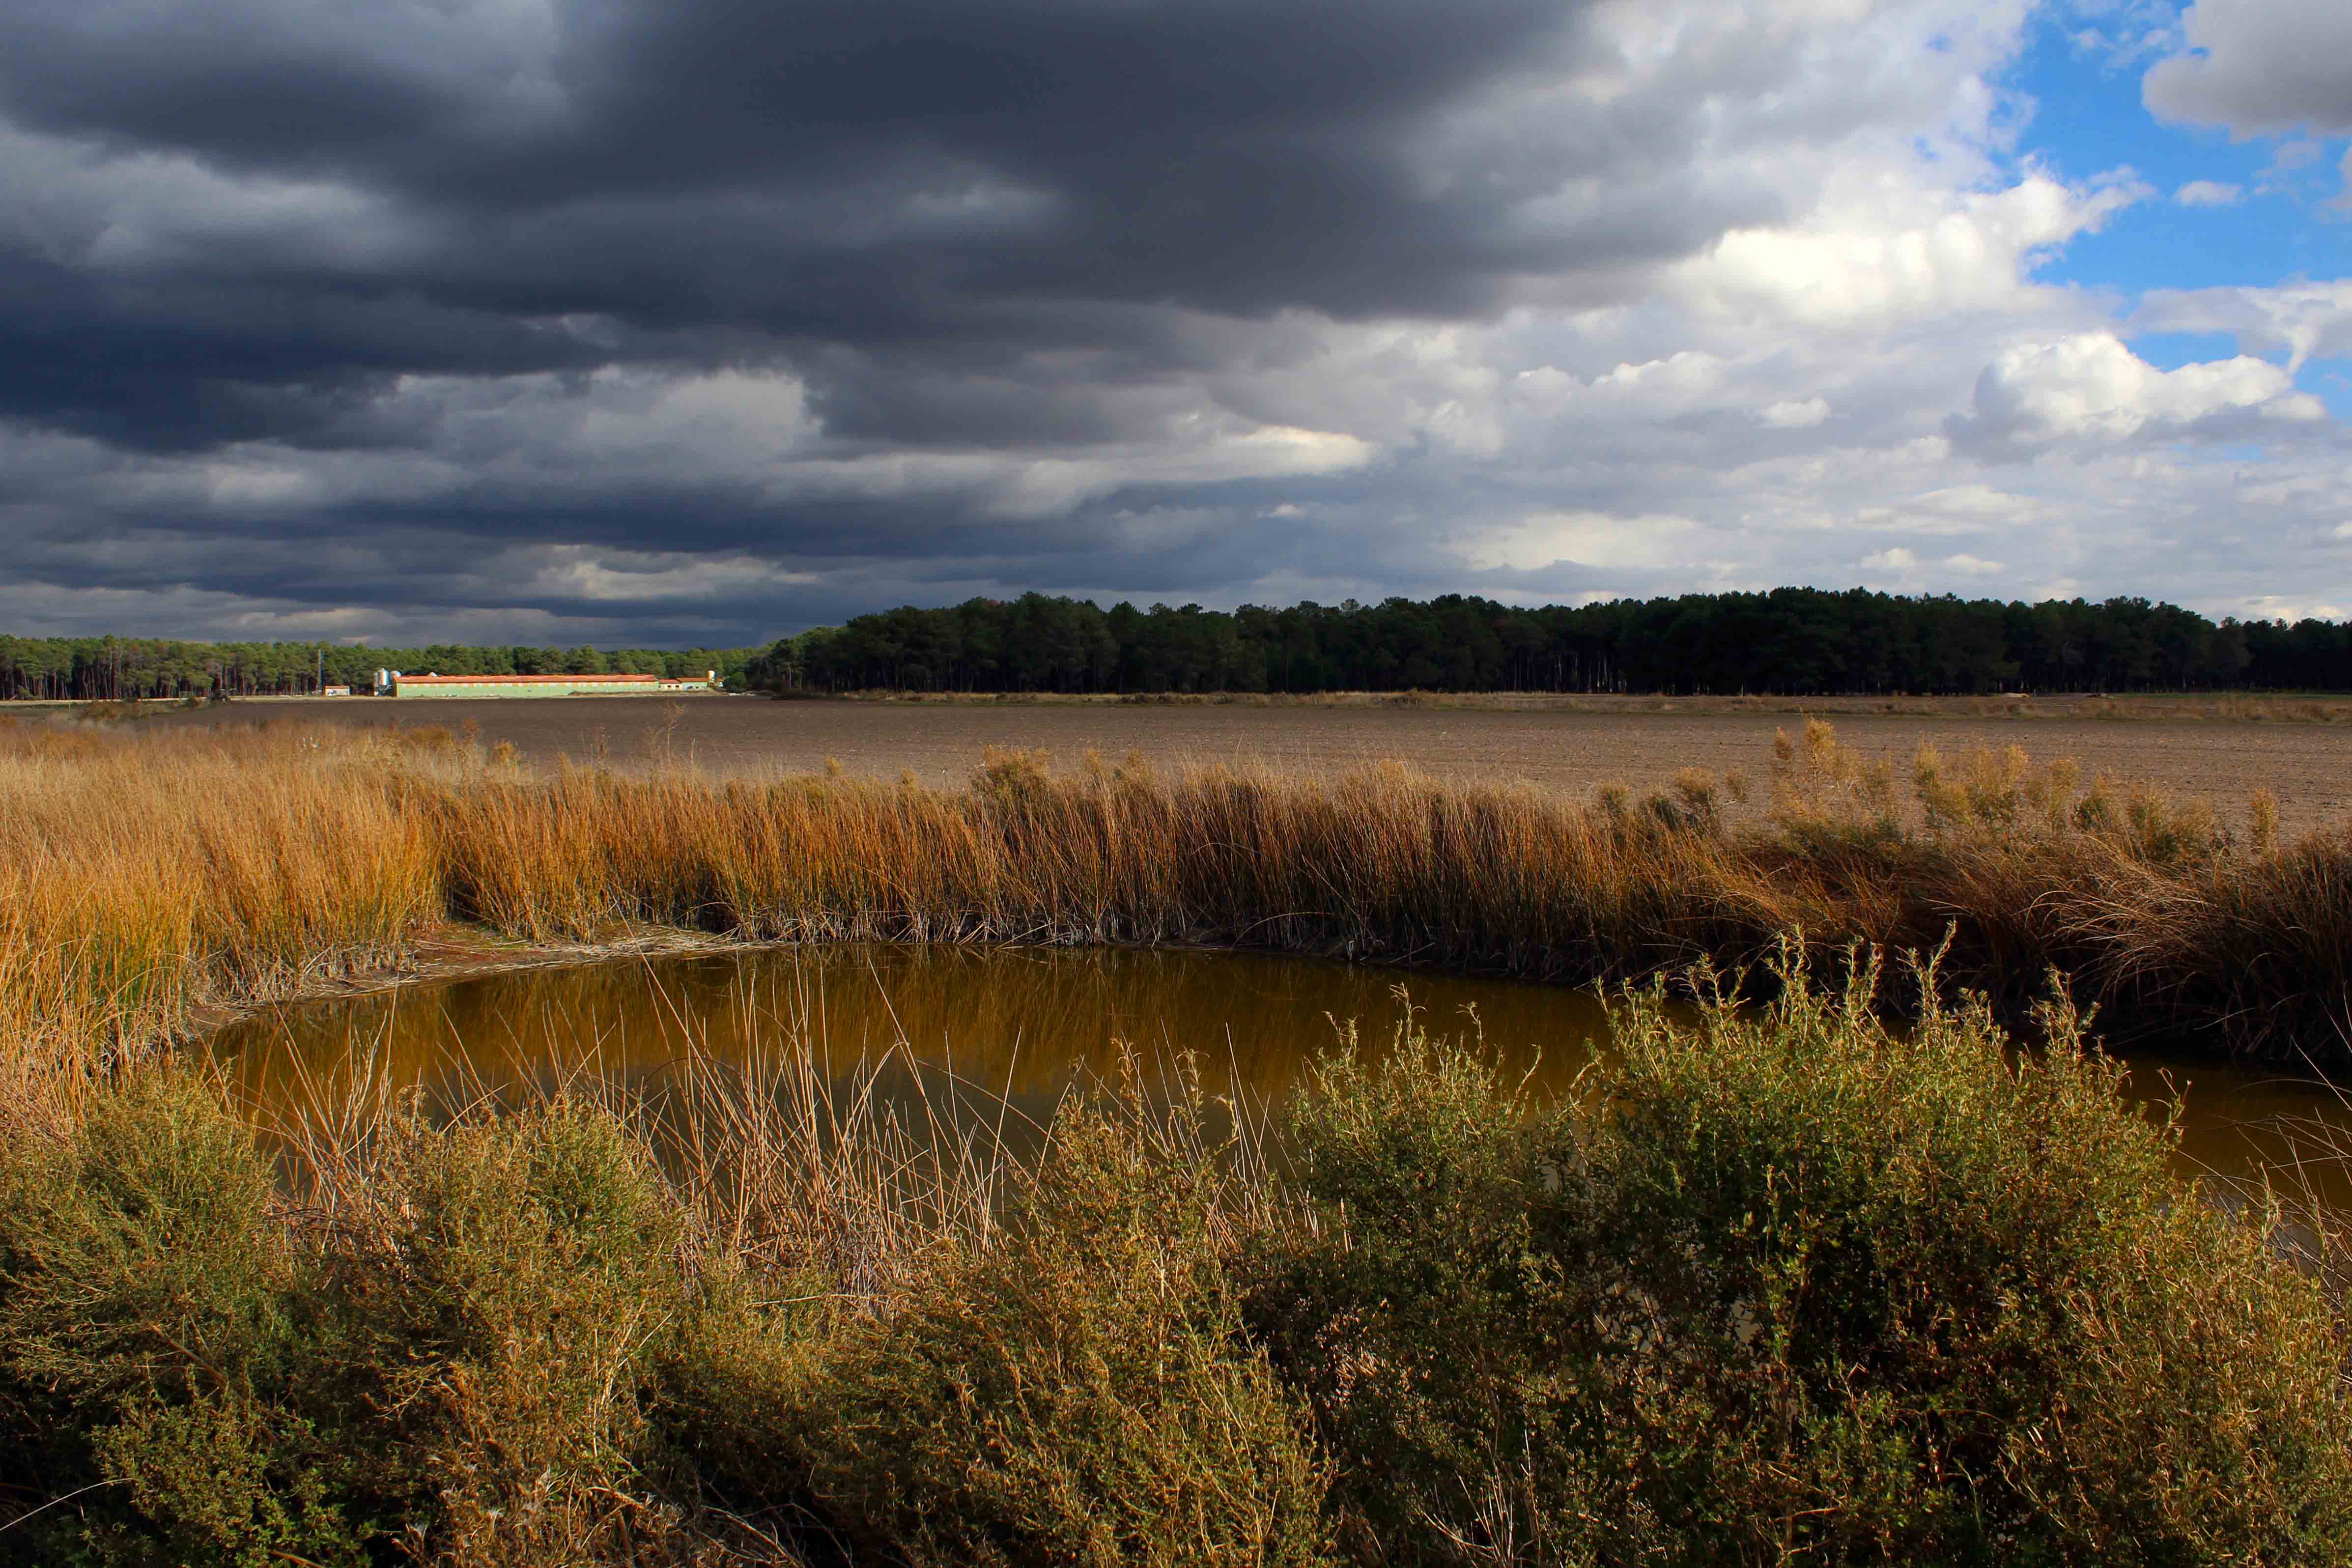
(1012, 1023)
(1019, 1025)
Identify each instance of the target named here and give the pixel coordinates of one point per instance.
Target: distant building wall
(537, 685)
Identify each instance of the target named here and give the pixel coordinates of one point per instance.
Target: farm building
(402, 685)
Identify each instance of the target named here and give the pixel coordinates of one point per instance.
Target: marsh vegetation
(1820, 1270)
(985, 1040)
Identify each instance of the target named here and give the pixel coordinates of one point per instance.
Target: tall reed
(140, 880)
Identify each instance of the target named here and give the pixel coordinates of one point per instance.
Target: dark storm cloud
(408, 238)
(174, 363)
(1225, 151)
(912, 178)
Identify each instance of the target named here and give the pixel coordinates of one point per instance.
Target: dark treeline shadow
(1790, 641)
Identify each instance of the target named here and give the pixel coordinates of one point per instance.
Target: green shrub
(1416, 1313)
(226, 1480)
(514, 1317)
(152, 1333)
(1932, 1297)
(730, 1385)
(1078, 1394)
(1776, 1285)
(466, 1366)
(1795, 1287)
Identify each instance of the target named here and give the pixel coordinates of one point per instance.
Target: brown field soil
(2256, 706)
(2308, 764)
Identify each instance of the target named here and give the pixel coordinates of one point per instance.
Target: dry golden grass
(141, 879)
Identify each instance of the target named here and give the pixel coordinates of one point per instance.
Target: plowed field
(2308, 765)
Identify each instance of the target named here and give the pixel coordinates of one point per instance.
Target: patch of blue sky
(2331, 382)
(2245, 455)
(2264, 217)
(2221, 212)
(2171, 351)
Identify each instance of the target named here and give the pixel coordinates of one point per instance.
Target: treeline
(1788, 641)
(112, 669)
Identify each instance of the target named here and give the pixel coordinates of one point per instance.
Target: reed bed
(141, 880)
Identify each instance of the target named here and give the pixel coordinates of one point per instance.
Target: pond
(1001, 1033)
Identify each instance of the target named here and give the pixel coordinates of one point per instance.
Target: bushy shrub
(1418, 1309)
(1925, 1296)
(1793, 1287)
(514, 1308)
(1775, 1284)
(153, 1342)
(1079, 1393)
(461, 1369)
(731, 1385)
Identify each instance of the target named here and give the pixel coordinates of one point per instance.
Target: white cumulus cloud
(1795, 414)
(2090, 387)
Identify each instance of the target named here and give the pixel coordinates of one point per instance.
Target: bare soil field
(2308, 765)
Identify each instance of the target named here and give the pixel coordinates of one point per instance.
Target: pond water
(984, 1030)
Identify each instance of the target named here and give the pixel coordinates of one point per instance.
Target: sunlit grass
(143, 877)
(1785, 1284)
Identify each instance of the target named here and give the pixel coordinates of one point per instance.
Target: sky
(677, 322)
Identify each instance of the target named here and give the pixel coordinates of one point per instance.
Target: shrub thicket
(1777, 1286)
(155, 1360)
(1080, 1393)
(1792, 1288)
(483, 1358)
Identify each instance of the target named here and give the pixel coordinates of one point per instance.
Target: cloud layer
(694, 320)
(2259, 66)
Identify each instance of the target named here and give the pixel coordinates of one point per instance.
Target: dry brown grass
(141, 879)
